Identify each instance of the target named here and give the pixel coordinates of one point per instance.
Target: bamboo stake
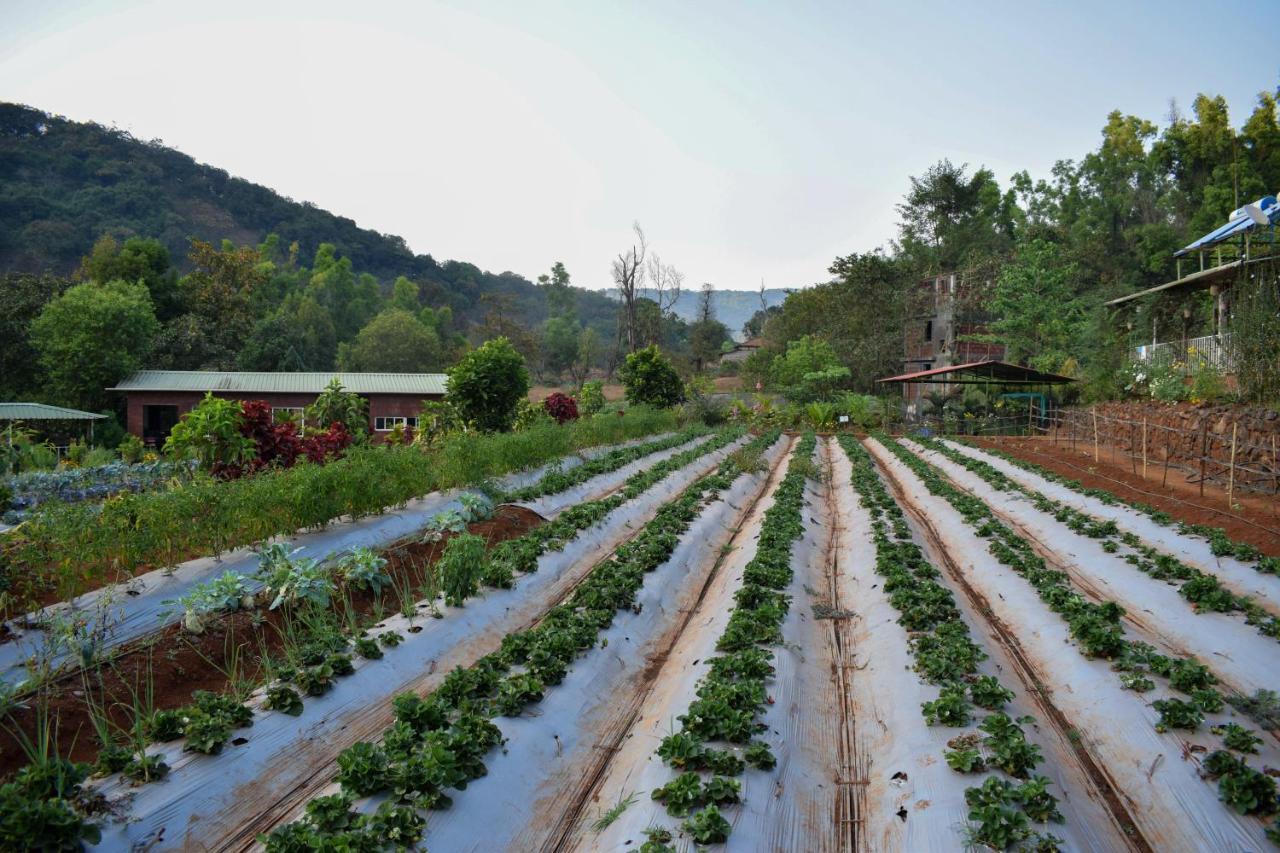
(1231, 475)
(1133, 457)
(1275, 469)
(1164, 481)
(1096, 458)
(1144, 448)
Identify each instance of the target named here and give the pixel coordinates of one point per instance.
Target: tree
(949, 216)
(404, 295)
(394, 342)
(650, 379)
(561, 301)
(220, 289)
(809, 370)
(628, 277)
(706, 334)
(1038, 316)
(139, 259)
(665, 284)
(488, 384)
(22, 298)
(560, 344)
(91, 337)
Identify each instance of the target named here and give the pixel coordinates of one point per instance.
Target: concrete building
(155, 399)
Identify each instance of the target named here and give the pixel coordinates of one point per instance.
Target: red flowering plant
(562, 407)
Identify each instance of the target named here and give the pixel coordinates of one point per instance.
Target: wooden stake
(1133, 445)
(1096, 458)
(1144, 449)
(1231, 475)
(1164, 481)
(1275, 468)
(1204, 451)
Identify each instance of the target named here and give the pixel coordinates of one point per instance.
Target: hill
(66, 183)
(733, 307)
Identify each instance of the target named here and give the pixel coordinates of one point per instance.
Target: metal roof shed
(13, 412)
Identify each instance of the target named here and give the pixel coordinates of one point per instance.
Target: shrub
(562, 407)
(591, 397)
(210, 433)
(460, 567)
(650, 379)
(487, 385)
(336, 406)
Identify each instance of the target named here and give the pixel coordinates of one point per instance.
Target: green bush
(131, 449)
(650, 379)
(488, 384)
(591, 397)
(460, 567)
(211, 434)
(335, 405)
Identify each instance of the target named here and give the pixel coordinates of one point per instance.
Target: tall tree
(393, 342)
(91, 337)
(628, 277)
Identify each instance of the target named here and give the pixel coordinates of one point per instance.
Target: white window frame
(388, 422)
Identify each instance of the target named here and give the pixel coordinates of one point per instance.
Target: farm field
(762, 641)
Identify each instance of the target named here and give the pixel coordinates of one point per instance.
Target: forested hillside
(67, 183)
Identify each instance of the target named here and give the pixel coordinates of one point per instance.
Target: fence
(1225, 459)
(1214, 350)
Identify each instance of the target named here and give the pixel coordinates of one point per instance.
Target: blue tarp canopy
(1238, 225)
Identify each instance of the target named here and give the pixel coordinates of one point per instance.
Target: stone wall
(1186, 434)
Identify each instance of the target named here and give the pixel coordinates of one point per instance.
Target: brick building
(155, 399)
(948, 311)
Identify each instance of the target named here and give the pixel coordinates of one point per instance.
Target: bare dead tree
(628, 277)
(666, 282)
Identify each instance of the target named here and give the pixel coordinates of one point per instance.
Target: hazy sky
(751, 140)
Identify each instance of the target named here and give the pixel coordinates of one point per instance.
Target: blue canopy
(1238, 224)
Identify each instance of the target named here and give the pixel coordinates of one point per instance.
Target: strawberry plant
(368, 648)
(951, 708)
(1177, 714)
(205, 733)
(681, 795)
(987, 692)
(164, 726)
(708, 826)
(1237, 737)
(363, 769)
(145, 768)
(284, 699)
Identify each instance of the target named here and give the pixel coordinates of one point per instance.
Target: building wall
(380, 405)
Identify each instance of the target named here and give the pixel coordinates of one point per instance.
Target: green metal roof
(243, 382)
(41, 412)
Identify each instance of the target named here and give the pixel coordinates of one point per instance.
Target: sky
(752, 141)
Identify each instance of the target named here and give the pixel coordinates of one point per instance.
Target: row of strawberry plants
(558, 479)
(312, 669)
(440, 742)
(46, 802)
(1097, 630)
(732, 695)
(72, 547)
(1220, 543)
(1001, 811)
(1203, 590)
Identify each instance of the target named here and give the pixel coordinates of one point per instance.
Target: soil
(1253, 519)
(171, 664)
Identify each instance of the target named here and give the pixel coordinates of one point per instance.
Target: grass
(607, 818)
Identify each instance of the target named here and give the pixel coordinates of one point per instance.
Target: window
(928, 331)
(289, 414)
(387, 424)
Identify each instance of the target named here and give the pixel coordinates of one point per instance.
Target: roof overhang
(42, 412)
(981, 373)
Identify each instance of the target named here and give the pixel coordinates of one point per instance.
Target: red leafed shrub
(562, 407)
(278, 444)
(327, 445)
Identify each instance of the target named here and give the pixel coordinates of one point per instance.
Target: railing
(1211, 349)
